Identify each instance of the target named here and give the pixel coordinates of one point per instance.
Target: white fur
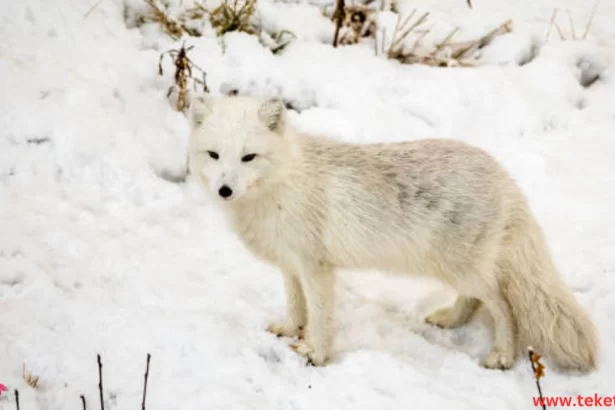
(432, 207)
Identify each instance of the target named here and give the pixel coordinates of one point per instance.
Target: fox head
(236, 143)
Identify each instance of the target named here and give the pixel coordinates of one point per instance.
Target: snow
(101, 254)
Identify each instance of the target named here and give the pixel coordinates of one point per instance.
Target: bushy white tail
(546, 313)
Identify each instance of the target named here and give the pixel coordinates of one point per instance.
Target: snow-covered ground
(101, 253)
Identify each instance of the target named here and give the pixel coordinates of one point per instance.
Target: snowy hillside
(104, 250)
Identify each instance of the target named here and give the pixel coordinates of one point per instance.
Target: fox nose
(225, 191)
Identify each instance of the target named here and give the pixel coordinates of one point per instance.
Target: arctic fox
(437, 207)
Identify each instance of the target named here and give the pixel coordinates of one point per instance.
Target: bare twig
(559, 31)
(100, 383)
(539, 371)
(572, 32)
(145, 382)
(17, 398)
(340, 19)
(203, 82)
(551, 22)
(83, 402)
(91, 9)
(591, 18)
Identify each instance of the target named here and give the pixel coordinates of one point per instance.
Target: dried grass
(445, 53)
(573, 36)
(175, 28)
(234, 17)
(353, 23)
(31, 379)
(276, 42)
(183, 75)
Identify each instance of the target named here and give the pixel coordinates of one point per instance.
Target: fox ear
(272, 112)
(200, 109)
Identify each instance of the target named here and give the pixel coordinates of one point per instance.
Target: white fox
(438, 207)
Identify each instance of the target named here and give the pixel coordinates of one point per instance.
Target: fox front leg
(318, 288)
(296, 315)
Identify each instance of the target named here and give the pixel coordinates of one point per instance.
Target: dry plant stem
(396, 30)
(29, 378)
(552, 24)
(340, 18)
(574, 36)
(537, 374)
(199, 6)
(591, 19)
(227, 17)
(483, 41)
(83, 402)
(281, 46)
(91, 9)
(145, 382)
(17, 398)
(447, 39)
(458, 50)
(183, 71)
(100, 383)
(419, 39)
(358, 21)
(559, 31)
(173, 28)
(242, 10)
(394, 48)
(203, 82)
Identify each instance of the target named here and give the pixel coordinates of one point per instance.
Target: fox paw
(306, 350)
(496, 359)
(285, 329)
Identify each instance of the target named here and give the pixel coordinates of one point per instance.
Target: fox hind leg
(503, 352)
(456, 315)
(481, 287)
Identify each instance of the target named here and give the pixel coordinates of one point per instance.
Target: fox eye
(214, 155)
(248, 158)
